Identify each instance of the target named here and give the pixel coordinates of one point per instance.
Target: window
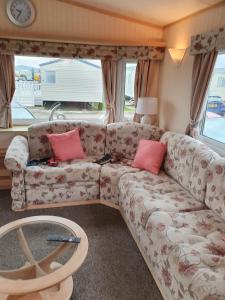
(74, 85)
(50, 76)
(214, 123)
(221, 81)
(129, 105)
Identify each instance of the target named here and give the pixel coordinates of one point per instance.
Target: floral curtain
(72, 50)
(201, 74)
(109, 72)
(207, 42)
(7, 89)
(146, 81)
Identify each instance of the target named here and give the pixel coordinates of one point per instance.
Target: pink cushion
(66, 145)
(149, 156)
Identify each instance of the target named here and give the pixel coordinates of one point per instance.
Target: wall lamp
(177, 55)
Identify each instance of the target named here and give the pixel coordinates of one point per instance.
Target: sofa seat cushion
(109, 180)
(172, 288)
(143, 193)
(70, 171)
(191, 245)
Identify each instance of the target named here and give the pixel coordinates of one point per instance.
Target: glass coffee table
(32, 268)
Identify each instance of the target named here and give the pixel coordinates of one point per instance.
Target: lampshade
(147, 106)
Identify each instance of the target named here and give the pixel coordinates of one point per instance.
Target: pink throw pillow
(66, 146)
(149, 156)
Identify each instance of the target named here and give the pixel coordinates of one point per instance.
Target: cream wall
(61, 21)
(175, 82)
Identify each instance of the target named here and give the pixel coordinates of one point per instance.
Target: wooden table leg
(61, 292)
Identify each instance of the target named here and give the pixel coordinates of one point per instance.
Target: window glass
(73, 86)
(214, 125)
(129, 105)
(50, 76)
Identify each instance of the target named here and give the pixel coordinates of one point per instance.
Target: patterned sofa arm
(17, 154)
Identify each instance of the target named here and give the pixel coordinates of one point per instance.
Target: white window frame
(26, 122)
(121, 77)
(217, 146)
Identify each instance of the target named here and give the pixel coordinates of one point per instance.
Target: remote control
(63, 239)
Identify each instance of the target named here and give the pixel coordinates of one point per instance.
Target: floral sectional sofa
(77, 180)
(177, 217)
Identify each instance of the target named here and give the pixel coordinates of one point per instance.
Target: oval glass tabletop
(27, 255)
(12, 245)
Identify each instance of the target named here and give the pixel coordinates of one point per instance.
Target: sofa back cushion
(92, 137)
(122, 139)
(215, 192)
(188, 161)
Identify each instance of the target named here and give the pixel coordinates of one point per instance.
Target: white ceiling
(159, 12)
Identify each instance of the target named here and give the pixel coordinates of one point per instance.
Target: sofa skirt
(67, 192)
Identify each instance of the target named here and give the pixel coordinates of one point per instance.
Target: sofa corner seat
(122, 141)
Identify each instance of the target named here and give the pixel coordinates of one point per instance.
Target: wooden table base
(45, 279)
(61, 292)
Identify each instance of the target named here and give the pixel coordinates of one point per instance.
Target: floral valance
(206, 42)
(71, 50)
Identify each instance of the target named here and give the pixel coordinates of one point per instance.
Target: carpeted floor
(114, 268)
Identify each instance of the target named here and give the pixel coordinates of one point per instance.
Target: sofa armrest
(17, 154)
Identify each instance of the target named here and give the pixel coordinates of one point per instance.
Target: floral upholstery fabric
(16, 158)
(172, 289)
(208, 41)
(189, 249)
(59, 193)
(17, 154)
(215, 195)
(188, 161)
(81, 170)
(73, 50)
(18, 190)
(92, 137)
(70, 181)
(109, 181)
(122, 138)
(143, 193)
